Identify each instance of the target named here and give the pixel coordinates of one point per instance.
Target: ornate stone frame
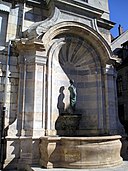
(106, 58)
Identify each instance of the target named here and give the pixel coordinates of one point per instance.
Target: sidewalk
(123, 167)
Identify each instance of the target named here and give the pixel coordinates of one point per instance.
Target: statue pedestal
(68, 124)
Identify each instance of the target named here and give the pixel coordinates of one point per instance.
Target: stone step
(123, 167)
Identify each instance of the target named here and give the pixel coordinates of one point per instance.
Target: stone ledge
(123, 167)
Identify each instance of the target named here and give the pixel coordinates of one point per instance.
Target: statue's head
(71, 82)
(61, 89)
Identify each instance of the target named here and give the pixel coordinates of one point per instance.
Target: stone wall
(42, 59)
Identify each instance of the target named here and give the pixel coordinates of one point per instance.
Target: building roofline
(117, 38)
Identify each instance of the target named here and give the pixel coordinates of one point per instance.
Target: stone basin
(80, 152)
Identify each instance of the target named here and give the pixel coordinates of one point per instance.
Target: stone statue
(73, 95)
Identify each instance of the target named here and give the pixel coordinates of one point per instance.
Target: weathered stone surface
(80, 152)
(67, 124)
(45, 54)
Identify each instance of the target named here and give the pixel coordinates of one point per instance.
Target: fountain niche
(85, 137)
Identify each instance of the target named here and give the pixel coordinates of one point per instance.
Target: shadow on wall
(22, 152)
(61, 104)
(3, 134)
(124, 149)
(67, 122)
(13, 163)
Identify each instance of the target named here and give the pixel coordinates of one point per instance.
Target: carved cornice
(31, 52)
(79, 7)
(39, 60)
(105, 23)
(26, 44)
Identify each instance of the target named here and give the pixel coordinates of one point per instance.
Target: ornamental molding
(4, 6)
(39, 28)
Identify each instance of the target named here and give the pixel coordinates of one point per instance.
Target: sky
(118, 14)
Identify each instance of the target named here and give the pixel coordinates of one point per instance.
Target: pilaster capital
(31, 52)
(24, 44)
(110, 70)
(40, 60)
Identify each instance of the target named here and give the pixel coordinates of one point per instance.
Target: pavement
(122, 167)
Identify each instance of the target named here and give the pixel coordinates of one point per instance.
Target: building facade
(44, 44)
(120, 48)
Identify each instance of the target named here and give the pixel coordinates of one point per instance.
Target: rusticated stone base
(80, 152)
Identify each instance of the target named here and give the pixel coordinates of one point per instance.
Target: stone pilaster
(30, 119)
(32, 90)
(110, 119)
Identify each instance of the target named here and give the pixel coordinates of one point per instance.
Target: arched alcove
(73, 58)
(77, 52)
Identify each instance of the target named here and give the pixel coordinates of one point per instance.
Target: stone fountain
(70, 150)
(80, 131)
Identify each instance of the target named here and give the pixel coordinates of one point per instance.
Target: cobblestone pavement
(123, 167)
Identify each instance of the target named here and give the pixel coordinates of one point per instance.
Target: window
(4, 12)
(3, 27)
